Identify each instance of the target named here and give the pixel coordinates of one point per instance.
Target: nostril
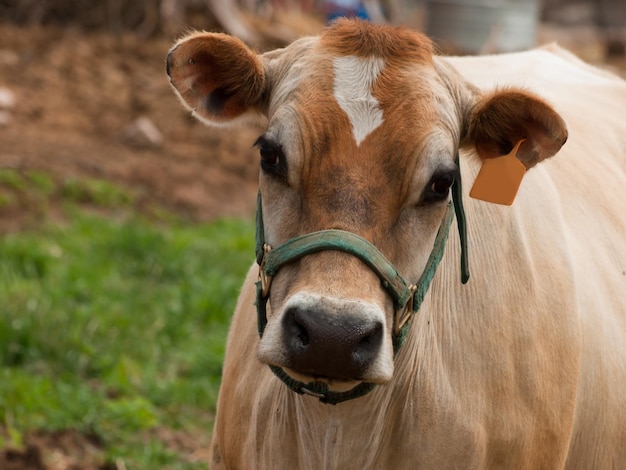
(297, 333)
(370, 343)
(373, 335)
(303, 336)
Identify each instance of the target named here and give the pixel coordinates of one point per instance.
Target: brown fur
(503, 118)
(349, 37)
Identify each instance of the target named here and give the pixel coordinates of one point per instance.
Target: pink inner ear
(540, 144)
(216, 76)
(193, 82)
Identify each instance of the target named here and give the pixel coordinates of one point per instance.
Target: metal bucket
(483, 26)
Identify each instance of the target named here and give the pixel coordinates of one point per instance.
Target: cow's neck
(325, 431)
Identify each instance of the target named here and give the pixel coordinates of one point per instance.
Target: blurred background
(126, 226)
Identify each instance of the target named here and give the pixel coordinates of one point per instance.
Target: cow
(358, 340)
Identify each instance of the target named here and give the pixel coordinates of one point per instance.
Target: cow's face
(363, 128)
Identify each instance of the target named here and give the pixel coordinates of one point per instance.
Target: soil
(77, 98)
(77, 101)
(63, 450)
(71, 450)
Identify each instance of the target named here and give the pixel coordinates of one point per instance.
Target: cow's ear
(216, 76)
(498, 121)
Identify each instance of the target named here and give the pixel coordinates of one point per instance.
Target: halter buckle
(266, 281)
(406, 312)
(306, 391)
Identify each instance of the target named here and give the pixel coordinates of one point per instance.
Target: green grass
(116, 327)
(33, 192)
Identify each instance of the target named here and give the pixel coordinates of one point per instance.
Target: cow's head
(364, 124)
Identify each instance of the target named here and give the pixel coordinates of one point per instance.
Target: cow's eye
(272, 157)
(439, 186)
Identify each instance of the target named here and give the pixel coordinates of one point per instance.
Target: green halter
(407, 298)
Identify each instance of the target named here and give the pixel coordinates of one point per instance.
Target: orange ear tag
(499, 178)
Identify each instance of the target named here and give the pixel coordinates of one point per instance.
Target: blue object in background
(349, 8)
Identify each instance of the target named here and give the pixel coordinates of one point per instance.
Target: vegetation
(114, 326)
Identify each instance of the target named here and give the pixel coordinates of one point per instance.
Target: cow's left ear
(216, 76)
(498, 121)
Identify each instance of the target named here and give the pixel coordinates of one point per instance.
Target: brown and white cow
(522, 367)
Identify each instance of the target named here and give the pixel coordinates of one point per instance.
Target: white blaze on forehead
(354, 77)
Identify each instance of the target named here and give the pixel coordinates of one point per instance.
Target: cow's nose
(327, 344)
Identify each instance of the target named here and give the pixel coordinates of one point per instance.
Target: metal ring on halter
(312, 393)
(405, 314)
(266, 281)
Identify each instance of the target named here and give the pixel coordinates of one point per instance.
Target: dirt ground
(77, 99)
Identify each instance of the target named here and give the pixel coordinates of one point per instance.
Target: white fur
(354, 77)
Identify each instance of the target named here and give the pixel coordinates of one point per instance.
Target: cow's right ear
(501, 119)
(216, 76)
